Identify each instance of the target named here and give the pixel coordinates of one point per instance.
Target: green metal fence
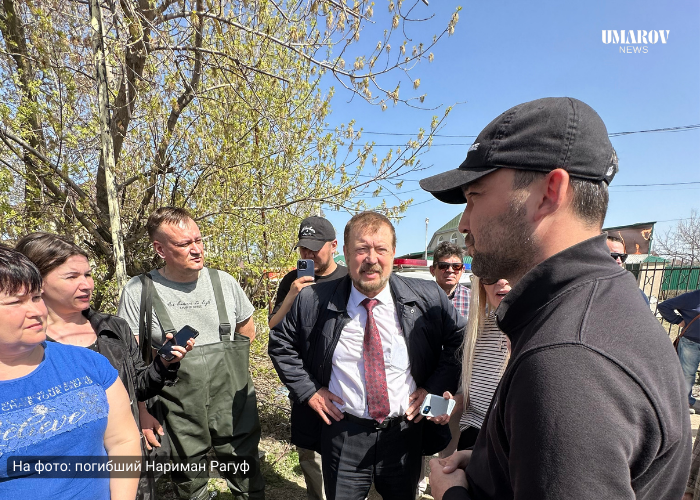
(681, 278)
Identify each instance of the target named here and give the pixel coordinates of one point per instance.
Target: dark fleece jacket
(592, 404)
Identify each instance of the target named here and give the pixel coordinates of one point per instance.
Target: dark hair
(615, 238)
(17, 273)
(590, 201)
(447, 249)
(369, 220)
(48, 251)
(166, 215)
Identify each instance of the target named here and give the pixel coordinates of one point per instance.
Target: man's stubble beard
(513, 249)
(322, 268)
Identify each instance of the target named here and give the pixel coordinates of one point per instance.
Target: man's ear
(551, 194)
(334, 245)
(432, 270)
(158, 249)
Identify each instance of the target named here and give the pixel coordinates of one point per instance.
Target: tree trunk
(107, 144)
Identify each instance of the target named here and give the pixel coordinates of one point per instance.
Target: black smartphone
(180, 338)
(305, 267)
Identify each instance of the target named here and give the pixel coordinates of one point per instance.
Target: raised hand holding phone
(305, 267)
(177, 346)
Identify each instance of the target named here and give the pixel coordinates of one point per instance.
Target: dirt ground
(283, 478)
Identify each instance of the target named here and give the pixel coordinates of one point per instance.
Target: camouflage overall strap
(162, 314)
(224, 325)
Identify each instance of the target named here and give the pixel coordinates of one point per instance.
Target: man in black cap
(317, 242)
(581, 412)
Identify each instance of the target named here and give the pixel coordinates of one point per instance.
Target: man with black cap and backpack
(213, 404)
(317, 242)
(592, 404)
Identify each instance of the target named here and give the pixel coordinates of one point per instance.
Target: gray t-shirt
(190, 303)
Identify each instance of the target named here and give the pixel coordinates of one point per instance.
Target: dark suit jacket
(302, 345)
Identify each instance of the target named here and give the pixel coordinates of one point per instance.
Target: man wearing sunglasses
(617, 252)
(447, 268)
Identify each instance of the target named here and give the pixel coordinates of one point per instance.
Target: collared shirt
(348, 371)
(460, 298)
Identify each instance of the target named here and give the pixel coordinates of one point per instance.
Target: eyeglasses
(492, 282)
(621, 256)
(456, 266)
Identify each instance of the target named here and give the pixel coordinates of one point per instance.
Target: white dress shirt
(348, 370)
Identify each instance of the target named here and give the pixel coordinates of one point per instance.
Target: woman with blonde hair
(485, 353)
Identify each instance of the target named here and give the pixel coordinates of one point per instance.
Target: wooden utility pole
(107, 144)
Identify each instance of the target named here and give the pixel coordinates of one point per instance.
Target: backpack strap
(224, 325)
(146, 317)
(685, 328)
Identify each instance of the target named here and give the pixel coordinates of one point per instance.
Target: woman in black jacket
(67, 290)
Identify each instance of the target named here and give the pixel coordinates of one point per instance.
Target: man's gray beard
(367, 288)
(513, 255)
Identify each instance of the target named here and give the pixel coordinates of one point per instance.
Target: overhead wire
(681, 128)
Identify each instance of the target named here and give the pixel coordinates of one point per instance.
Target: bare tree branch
(185, 98)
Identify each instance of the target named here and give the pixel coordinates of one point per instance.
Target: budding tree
(216, 106)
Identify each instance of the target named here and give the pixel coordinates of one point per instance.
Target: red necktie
(375, 374)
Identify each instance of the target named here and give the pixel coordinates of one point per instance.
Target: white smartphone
(434, 406)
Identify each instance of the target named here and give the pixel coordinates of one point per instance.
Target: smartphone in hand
(305, 267)
(434, 406)
(180, 338)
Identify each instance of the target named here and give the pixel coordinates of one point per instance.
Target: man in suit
(359, 355)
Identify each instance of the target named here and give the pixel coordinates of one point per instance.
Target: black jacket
(301, 347)
(592, 404)
(116, 342)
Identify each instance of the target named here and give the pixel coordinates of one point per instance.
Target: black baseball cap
(541, 135)
(314, 232)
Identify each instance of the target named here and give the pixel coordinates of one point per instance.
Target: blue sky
(510, 52)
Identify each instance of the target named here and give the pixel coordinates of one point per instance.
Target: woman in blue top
(67, 292)
(55, 400)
